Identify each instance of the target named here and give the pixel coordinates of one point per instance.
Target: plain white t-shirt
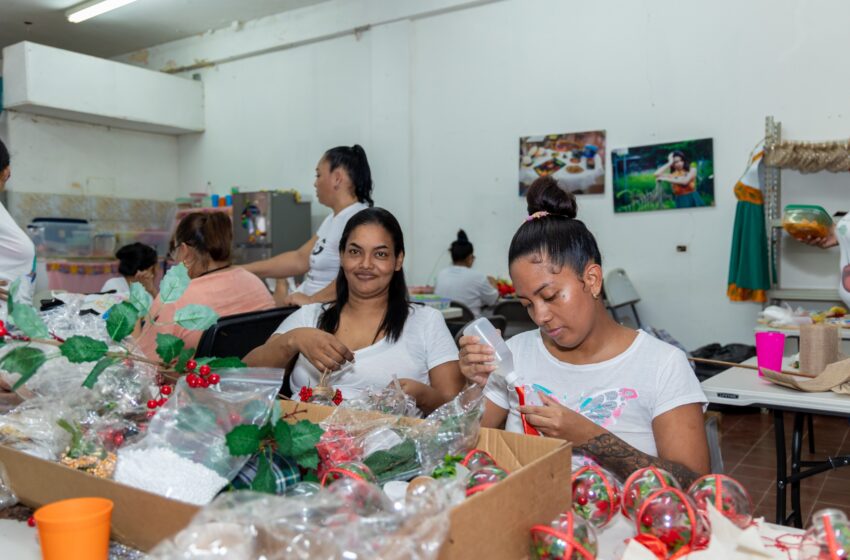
(324, 258)
(119, 284)
(623, 394)
(17, 258)
(425, 343)
(469, 287)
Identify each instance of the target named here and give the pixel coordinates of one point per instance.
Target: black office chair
(517, 318)
(455, 325)
(237, 335)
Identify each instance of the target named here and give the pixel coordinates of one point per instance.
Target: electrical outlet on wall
(681, 248)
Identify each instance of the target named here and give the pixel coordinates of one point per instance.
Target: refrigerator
(268, 223)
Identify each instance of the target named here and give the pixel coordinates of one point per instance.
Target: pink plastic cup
(769, 348)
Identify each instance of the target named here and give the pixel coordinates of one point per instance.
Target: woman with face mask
(202, 242)
(624, 398)
(371, 332)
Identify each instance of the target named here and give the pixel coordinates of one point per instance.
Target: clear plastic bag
(184, 454)
(390, 400)
(350, 519)
(7, 495)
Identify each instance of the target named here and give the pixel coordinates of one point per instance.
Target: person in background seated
(460, 283)
(625, 399)
(344, 184)
(202, 243)
(17, 252)
(372, 331)
(137, 263)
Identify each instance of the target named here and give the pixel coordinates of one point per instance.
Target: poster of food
(664, 176)
(576, 160)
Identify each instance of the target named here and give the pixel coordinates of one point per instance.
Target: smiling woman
(624, 398)
(372, 331)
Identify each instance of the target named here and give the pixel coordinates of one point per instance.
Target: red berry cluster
(305, 394)
(204, 378)
(3, 331)
(337, 397)
(153, 404)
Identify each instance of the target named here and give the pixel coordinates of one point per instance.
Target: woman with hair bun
(460, 283)
(202, 242)
(344, 184)
(625, 399)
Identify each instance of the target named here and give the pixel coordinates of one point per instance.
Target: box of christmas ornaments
(202, 459)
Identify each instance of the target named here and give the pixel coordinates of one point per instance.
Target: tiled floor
(747, 444)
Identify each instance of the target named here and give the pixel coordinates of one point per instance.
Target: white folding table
(744, 387)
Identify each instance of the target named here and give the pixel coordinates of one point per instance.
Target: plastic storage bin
(803, 222)
(158, 239)
(58, 238)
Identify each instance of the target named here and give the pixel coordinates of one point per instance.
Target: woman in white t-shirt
(344, 184)
(136, 263)
(460, 283)
(17, 252)
(372, 331)
(624, 399)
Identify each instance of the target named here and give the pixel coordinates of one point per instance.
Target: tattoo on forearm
(622, 459)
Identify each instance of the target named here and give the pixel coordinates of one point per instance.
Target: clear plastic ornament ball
(641, 484)
(567, 537)
(484, 478)
(727, 495)
(671, 516)
(828, 537)
(596, 495)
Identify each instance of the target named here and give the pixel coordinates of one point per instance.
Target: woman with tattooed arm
(625, 399)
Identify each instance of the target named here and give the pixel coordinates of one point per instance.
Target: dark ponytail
(398, 301)
(552, 230)
(355, 163)
(134, 258)
(461, 248)
(209, 233)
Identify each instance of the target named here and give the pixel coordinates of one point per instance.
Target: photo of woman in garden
(682, 176)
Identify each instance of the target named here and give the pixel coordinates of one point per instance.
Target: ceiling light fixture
(93, 8)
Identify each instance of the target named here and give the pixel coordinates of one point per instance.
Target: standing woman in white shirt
(17, 252)
(344, 184)
(371, 332)
(460, 283)
(624, 398)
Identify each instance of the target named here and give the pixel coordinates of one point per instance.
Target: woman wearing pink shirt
(202, 243)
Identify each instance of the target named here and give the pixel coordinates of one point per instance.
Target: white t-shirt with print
(425, 343)
(469, 287)
(623, 394)
(324, 258)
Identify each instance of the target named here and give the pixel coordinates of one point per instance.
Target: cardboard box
(493, 524)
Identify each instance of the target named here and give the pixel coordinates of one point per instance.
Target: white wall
(63, 157)
(439, 102)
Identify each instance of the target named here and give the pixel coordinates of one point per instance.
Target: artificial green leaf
(195, 317)
(173, 284)
(121, 320)
(24, 360)
(266, 431)
(79, 349)
(98, 368)
(26, 318)
(398, 459)
(264, 479)
(13, 294)
(310, 476)
(75, 432)
(221, 363)
(184, 356)
(283, 438)
(140, 298)
(243, 440)
(308, 460)
(168, 347)
(305, 436)
(196, 418)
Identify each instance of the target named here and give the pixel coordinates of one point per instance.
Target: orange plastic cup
(76, 529)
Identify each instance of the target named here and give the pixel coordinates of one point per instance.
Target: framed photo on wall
(667, 176)
(575, 159)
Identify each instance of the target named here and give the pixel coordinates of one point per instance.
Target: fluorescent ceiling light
(93, 8)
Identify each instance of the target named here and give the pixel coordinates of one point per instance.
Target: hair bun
(545, 195)
(461, 236)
